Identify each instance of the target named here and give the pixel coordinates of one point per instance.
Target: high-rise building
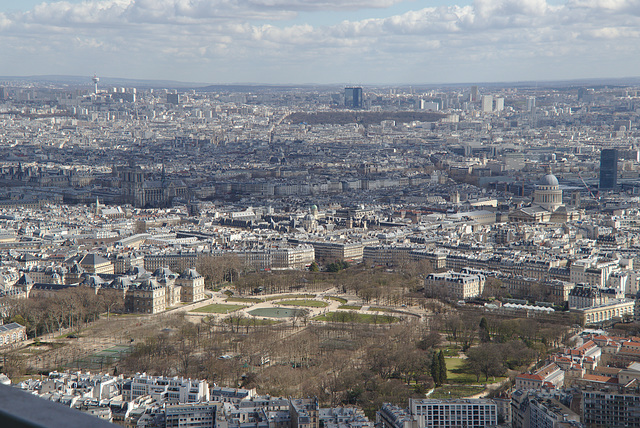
(353, 97)
(95, 79)
(474, 95)
(531, 104)
(487, 103)
(608, 169)
(173, 98)
(3, 93)
(429, 105)
(586, 95)
(499, 104)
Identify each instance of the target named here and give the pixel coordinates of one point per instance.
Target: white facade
(487, 103)
(591, 271)
(458, 285)
(174, 390)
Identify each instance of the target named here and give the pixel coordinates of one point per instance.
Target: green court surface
(101, 360)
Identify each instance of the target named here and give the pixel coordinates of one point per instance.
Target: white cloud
(245, 38)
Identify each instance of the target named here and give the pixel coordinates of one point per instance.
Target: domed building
(546, 205)
(547, 193)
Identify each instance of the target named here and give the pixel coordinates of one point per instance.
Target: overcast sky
(322, 41)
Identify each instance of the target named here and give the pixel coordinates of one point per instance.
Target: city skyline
(354, 42)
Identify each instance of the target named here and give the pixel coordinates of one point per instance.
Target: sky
(322, 41)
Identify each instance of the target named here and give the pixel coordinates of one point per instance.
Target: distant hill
(104, 81)
(85, 81)
(249, 87)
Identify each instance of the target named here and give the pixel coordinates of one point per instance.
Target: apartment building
(173, 390)
(457, 285)
(612, 406)
(549, 376)
(391, 416)
(200, 415)
(470, 413)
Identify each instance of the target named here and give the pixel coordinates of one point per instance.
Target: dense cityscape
(322, 256)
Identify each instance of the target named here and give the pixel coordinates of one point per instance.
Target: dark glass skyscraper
(353, 97)
(608, 168)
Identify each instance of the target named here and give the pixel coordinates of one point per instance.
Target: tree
(436, 370)
(494, 287)
(219, 268)
(430, 340)
(112, 300)
(442, 367)
(486, 359)
(484, 330)
(140, 226)
(453, 324)
(337, 266)
(314, 267)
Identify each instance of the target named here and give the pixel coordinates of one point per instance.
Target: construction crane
(589, 190)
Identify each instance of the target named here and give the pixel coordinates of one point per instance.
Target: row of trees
(466, 327)
(369, 283)
(341, 363)
(69, 308)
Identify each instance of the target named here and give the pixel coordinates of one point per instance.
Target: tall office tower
(531, 103)
(474, 95)
(3, 93)
(353, 97)
(608, 168)
(487, 103)
(499, 104)
(173, 99)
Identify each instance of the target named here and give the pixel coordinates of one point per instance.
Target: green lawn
(337, 299)
(451, 351)
(356, 317)
(218, 308)
(291, 296)
(350, 307)
(243, 300)
(379, 309)
(456, 375)
(455, 391)
(308, 303)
